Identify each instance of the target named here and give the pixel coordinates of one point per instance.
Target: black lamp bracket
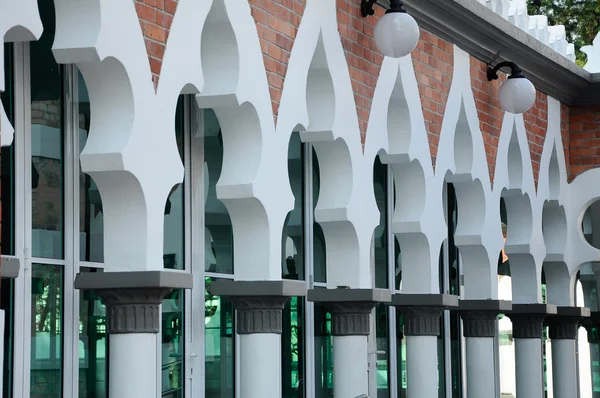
(515, 70)
(366, 7)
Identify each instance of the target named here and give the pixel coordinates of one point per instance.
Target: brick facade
(277, 23)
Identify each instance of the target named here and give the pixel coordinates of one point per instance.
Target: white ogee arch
(318, 100)
(132, 153)
(513, 182)
(19, 21)
(397, 133)
(461, 160)
(553, 203)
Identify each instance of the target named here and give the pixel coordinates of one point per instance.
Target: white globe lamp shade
(517, 95)
(396, 34)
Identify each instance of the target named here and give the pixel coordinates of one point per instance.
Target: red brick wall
(584, 139)
(155, 19)
(277, 23)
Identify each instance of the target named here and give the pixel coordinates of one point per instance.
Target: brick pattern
(584, 140)
(155, 18)
(277, 23)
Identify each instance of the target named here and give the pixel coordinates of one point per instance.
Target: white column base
(350, 368)
(260, 368)
(481, 378)
(529, 368)
(133, 366)
(564, 368)
(421, 366)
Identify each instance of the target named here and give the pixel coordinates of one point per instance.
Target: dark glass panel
(293, 349)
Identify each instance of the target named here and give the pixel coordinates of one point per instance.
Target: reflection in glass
(218, 231)
(7, 176)
(93, 349)
(46, 142)
(323, 353)
(380, 233)
(293, 349)
(91, 215)
(174, 219)
(219, 357)
(381, 335)
(319, 258)
(293, 229)
(46, 330)
(401, 356)
(173, 345)
(7, 294)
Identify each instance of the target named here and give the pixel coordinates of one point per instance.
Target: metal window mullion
(309, 313)
(391, 263)
(70, 329)
(446, 316)
(22, 297)
(196, 347)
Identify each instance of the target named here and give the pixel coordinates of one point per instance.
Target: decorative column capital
(422, 312)
(528, 319)
(479, 316)
(132, 299)
(564, 325)
(350, 308)
(259, 304)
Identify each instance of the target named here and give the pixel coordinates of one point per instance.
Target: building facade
(228, 198)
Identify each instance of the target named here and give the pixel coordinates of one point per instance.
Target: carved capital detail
(259, 314)
(350, 318)
(528, 326)
(422, 321)
(563, 327)
(479, 323)
(133, 310)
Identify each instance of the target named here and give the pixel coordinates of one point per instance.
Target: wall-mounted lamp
(397, 33)
(517, 94)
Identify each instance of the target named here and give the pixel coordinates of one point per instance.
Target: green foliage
(581, 19)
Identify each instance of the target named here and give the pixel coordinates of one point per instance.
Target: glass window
(293, 229)
(381, 335)
(46, 330)
(93, 347)
(47, 132)
(7, 164)
(319, 257)
(174, 223)
(91, 215)
(220, 344)
(323, 353)
(218, 231)
(380, 233)
(293, 349)
(173, 369)
(401, 356)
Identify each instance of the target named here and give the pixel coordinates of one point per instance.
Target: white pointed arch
(553, 199)
(318, 101)
(514, 184)
(461, 160)
(19, 21)
(397, 133)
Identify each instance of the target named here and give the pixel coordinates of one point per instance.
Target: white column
(528, 328)
(132, 370)
(350, 374)
(481, 377)
(529, 368)
(563, 335)
(422, 359)
(564, 368)
(260, 370)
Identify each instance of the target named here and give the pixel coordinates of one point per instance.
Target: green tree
(581, 19)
